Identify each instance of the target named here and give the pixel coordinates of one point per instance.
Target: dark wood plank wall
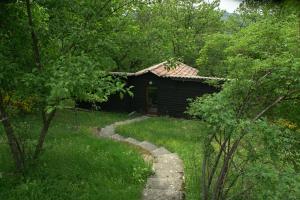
(172, 95)
(139, 84)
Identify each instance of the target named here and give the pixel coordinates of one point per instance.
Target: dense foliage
(53, 53)
(45, 64)
(252, 151)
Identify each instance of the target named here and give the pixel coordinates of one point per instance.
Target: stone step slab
(173, 167)
(129, 121)
(147, 146)
(107, 131)
(118, 137)
(164, 183)
(160, 151)
(132, 141)
(169, 159)
(167, 173)
(157, 194)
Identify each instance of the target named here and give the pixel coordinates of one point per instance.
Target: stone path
(167, 181)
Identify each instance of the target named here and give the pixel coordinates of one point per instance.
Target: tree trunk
(46, 123)
(13, 142)
(35, 46)
(298, 51)
(36, 53)
(203, 178)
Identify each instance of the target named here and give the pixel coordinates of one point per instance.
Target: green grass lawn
(75, 165)
(177, 135)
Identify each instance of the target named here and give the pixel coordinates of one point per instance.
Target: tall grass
(75, 164)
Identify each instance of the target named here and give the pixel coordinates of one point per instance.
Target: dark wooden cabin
(160, 91)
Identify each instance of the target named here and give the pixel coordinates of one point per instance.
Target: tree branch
(268, 108)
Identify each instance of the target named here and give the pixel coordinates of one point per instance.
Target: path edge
(167, 180)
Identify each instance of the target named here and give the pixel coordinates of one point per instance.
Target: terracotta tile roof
(161, 70)
(181, 71)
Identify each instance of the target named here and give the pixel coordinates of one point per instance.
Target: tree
(38, 70)
(246, 154)
(159, 30)
(211, 61)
